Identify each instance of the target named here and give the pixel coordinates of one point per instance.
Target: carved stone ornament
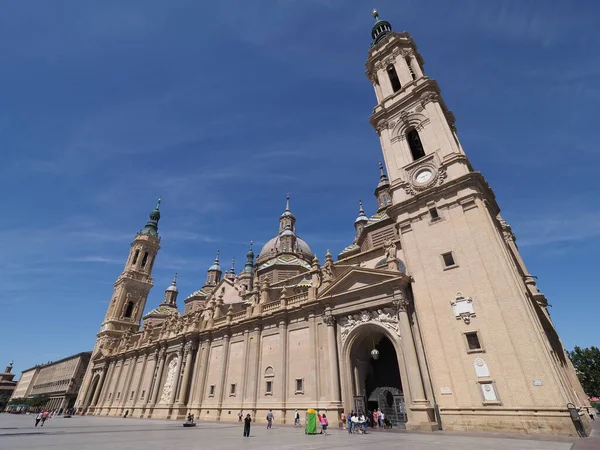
(463, 308)
(328, 320)
(386, 317)
(170, 381)
(427, 97)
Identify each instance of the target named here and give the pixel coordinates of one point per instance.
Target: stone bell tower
(133, 285)
(489, 347)
(127, 303)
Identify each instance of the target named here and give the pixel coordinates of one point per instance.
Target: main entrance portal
(376, 376)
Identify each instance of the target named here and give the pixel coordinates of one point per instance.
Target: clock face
(423, 176)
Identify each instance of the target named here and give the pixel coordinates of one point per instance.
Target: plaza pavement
(92, 433)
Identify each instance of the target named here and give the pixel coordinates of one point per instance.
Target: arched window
(129, 309)
(412, 72)
(391, 70)
(145, 259)
(135, 257)
(414, 142)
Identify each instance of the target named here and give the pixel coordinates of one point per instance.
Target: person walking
(240, 416)
(296, 418)
(324, 423)
(126, 414)
(45, 415)
(349, 421)
(354, 423)
(247, 422)
(591, 414)
(269, 419)
(38, 418)
(380, 418)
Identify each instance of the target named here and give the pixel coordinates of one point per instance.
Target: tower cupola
(381, 28)
(361, 221)
(171, 294)
(151, 227)
(214, 273)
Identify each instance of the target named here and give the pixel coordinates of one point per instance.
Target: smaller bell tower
(133, 285)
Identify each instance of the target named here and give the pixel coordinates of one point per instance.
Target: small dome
(381, 28)
(172, 288)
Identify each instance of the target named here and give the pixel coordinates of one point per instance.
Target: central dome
(273, 247)
(286, 240)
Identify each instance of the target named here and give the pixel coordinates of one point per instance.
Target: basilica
(429, 314)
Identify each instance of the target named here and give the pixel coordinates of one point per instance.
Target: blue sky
(223, 107)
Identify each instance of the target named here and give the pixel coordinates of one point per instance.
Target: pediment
(229, 290)
(360, 278)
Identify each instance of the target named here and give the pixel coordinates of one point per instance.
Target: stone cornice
(472, 179)
(422, 90)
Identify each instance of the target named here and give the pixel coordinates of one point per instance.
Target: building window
(145, 259)
(131, 396)
(299, 385)
(142, 396)
(211, 390)
(129, 309)
(414, 142)
(473, 342)
(433, 213)
(269, 388)
(118, 395)
(448, 260)
(232, 390)
(135, 256)
(391, 70)
(109, 395)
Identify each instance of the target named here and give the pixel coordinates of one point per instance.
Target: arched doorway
(92, 392)
(375, 374)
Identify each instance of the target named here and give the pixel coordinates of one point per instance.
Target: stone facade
(60, 380)
(430, 314)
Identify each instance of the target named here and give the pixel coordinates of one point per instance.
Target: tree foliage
(35, 402)
(587, 366)
(38, 400)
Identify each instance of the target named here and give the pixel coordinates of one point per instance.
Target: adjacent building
(429, 313)
(60, 380)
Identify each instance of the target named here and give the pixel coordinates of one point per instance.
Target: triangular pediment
(359, 278)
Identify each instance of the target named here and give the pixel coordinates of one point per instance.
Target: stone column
(109, 376)
(177, 375)
(416, 67)
(246, 368)
(203, 372)
(283, 346)
(189, 351)
(158, 378)
(98, 387)
(128, 379)
(258, 379)
(139, 383)
(223, 373)
(329, 320)
(314, 362)
(154, 365)
(119, 373)
(415, 382)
